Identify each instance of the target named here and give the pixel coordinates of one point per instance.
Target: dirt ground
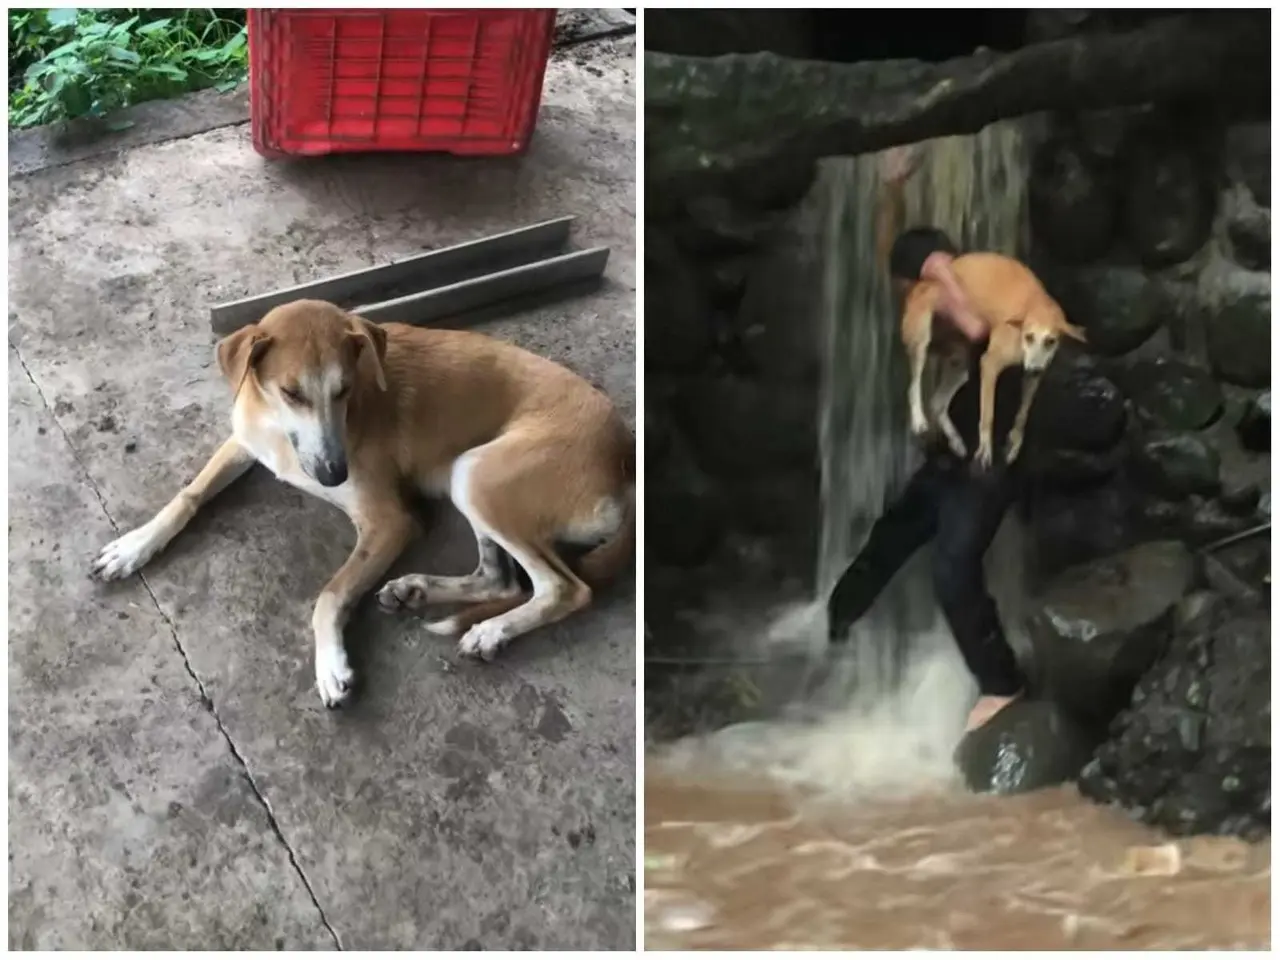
(174, 781)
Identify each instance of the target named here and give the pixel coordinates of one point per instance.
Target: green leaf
(63, 16)
(226, 85)
(155, 26)
(169, 70)
(120, 53)
(118, 124)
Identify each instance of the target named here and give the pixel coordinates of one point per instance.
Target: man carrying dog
(958, 508)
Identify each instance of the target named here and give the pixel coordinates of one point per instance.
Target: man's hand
(899, 163)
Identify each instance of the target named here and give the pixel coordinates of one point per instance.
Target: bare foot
(985, 709)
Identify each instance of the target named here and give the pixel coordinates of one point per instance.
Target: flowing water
(844, 825)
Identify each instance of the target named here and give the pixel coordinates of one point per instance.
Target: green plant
(91, 63)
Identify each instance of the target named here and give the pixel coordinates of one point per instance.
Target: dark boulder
(1240, 497)
(1209, 519)
(1247, 158)
(1254, 427)
(679, 331)
(1119, 307)
(1077, 406)
(1238, 333)
(1169, 203)
(1072, 202)
(1067, 527)
(1170, 394)
(735, 424)
(1029, 745)
(1192, 753)
(1061, 469)
(1250, 235)
(717, 224)
(1099, 626)
(1175, 465)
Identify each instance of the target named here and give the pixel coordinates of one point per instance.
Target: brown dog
(363, 416)
(1026, 327)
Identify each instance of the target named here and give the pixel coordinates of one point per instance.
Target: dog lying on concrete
(1026, 326)
(364, 416)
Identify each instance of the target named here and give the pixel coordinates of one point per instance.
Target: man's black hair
(913, 247)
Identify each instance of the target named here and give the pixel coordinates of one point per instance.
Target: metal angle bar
(443, 302)
(440, 268)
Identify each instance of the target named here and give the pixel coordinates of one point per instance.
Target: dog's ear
(1075, 333)
(366, 334)
(240, 352)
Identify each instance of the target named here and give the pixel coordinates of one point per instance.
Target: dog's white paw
(983, 455)
(484, 640)
(403, 593)
(919, 424)
(334, 677)
(125, 555)
(957, 446)
(1014, 448)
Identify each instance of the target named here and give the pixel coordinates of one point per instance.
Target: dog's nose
(331, 473)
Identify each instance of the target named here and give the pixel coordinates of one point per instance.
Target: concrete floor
(454, 804)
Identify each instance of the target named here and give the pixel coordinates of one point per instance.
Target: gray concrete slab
(455, 804)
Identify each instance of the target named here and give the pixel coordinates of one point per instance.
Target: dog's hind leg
(129, 553)
(490, 486)
(494, 579)
(917, 332)
(954, 374)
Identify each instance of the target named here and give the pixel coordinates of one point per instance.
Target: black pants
(959, 510)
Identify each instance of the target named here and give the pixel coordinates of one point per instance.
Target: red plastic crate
(456, 81)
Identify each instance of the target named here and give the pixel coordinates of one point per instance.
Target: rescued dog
(1026, 326)
(364, 416)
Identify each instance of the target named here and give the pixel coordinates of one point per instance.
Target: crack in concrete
(205, 699)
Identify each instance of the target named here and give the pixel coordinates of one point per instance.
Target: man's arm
(891, 215)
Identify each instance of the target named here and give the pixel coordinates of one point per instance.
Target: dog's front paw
(484, 640)
(919, 425)
(403, 593)
(982, 458)
(957, 446)
(1014, 448)
(334, 677)
(125, 555)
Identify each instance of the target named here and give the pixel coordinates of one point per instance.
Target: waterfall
(972, 187)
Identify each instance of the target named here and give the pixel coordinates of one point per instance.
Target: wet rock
(1118, 307)
(1176, 464)
(1072, 202)
(1254, 427)
(1099, 626)
(717, 224)
(1171, 394)
(677, 315)
(776, 319)
(684, 518)
(1162, 861)
(1077, 407)
(1247, 158)
(1238, 331)
(1240, 497)
(1068, 527)
(1208, 520)
(1192, 753)
(736, 424)
(1250, 235)
(1029, 745)
(1067, 470)
(780, 185)
(1169, 204)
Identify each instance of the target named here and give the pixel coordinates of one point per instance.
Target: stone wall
(1148, 228)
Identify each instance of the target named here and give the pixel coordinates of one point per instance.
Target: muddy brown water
(738, 864)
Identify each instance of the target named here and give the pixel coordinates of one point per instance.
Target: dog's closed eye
(293, 396)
